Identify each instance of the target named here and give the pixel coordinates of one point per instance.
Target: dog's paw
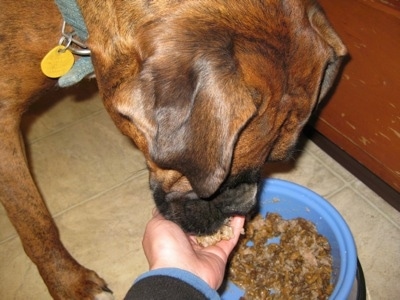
(91, 286)
(76, 282)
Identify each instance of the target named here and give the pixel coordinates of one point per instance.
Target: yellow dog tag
(57, 62)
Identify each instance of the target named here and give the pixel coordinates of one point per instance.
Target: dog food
(282, 259)
(224, 233)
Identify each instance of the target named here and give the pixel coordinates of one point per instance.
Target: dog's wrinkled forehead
(220, 88)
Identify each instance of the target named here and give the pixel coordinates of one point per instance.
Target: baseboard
(376, 184)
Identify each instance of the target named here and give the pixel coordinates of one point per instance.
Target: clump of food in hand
(295, 264)
(224, 233)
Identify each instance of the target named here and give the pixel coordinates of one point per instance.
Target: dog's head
(210, 90)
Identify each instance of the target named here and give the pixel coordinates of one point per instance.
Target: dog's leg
(23, 44)
(65, 278)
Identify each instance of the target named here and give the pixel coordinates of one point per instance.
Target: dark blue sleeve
(170, 283)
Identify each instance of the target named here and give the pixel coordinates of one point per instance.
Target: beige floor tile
(377, 240)
(6, 229)
(19, 278)
(60, 108)
(83, 160)
(78, 162)
(104, 234)
(386, 210)
(329, 162)
(305, 169)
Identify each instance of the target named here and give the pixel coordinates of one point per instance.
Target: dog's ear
(193, 105)
(321, 25)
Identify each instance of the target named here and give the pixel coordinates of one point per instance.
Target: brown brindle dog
(207, 89)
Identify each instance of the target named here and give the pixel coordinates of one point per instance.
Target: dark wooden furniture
(362, 116)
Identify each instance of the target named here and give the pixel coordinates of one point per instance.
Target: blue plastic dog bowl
(293, 201)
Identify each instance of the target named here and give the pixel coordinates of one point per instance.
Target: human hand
(167, 246)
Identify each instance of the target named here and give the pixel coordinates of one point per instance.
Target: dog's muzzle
(205, 216)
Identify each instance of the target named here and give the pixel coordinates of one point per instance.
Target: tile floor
(95, 184)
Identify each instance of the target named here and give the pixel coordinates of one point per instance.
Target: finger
(152, 226)
(155, 212)
(237, 223)
(227, 246)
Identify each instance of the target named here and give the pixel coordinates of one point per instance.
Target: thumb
(237, 223)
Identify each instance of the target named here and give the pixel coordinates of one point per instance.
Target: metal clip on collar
(68, 38)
